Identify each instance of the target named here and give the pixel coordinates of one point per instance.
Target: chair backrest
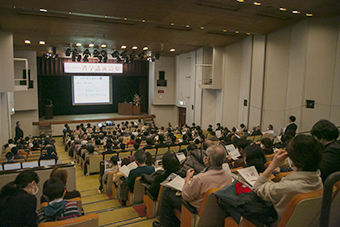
(334, 219)
(162, 150)
(89, 220)
(29, 164)
(10, 166)
(269, 157)
(124, 154)
(184, 147)
(257, 138)
(0, 167)
(303, 210)
(251, 138)
(47, 162)
(138, 191)
(175, 148)
(94, 163)
(280, 175)
(210, 214)
(235, 169)
(151, 151)
(108, 156)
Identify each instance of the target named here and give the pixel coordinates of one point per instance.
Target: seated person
(254, 156)
(10, 159)
(305, 152)
(115, 145)
(256, 131)
(62, 174)
(327, 134)
(148, 145)
(57, 208)
(194, 188)
(267, 146)
(284, 141)
(241, 145)
(212, 136)
(270, 130)
(50, 154)
(161, 143)
(195, 158)
(108, 149)
(15, 150)
(129, 184)
(112, 167)
(90, 149)
(149, 161)
(131, 141)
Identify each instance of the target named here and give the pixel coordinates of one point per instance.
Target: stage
(57, 123)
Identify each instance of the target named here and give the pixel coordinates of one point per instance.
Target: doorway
(182, 116)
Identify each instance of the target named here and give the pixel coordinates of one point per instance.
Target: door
(182, 116)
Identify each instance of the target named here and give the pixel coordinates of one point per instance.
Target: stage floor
(62, 119)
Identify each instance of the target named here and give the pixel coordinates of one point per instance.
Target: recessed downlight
(134, 47)
(309, 14)
(172, 50)
(257, 3)
(43, 10)
(295, 11)
(283, 9)
(27, 41)
(123, 47)
(91, 45)
(41, 42)
(145, 48)
(103, 45)
(78, 44)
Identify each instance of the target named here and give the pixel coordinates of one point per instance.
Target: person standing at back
(291, 127)
(19, 134)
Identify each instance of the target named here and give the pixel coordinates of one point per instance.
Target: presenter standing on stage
(18, 131)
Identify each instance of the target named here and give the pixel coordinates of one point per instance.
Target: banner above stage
(72, 67)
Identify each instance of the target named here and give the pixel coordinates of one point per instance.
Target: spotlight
(79, 58)
(141, 55)
(87, 52)
(157, 55)
(95, 53)
(100, 59)
(85, 58)
(68, 52)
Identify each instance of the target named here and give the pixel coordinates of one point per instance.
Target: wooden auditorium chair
(303, 210)
(108, 156)
(334, 219)
(269, 157)
(163, 150)
(152, 203)
(152, 151)
(138, 193)
(251, 138)
(280, 175)
(30, 163)
(209, 214)
(11, 166)
(175, 148)
(89, 220)
(47, 162)
(257, 138)
(94, 164)
(124, 154)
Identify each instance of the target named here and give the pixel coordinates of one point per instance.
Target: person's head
(18, 123)
(242, 144)
(292, 118)
(14, 150)
(215, 156)
(97, 142)
(325, 131)
(10, 141)
(136, 146)
(207, 144)
(270, 127)
(140, 157)
(122, 146)
(242, 125)
(60, 173)
(26, 180)
(161, 138)
(90, 148)
(286, 138)
(132, 137)
(305, 152)
(213, 133)
(149, 141)
(114, 160)
(149, 161)
(218, 124)
(266, 143)
(53, 189)
(50, 150)
(255, 157)
(9, 156)
(170, 162)
(233, 129)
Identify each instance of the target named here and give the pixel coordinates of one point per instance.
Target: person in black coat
(291, 127)
(18, 131)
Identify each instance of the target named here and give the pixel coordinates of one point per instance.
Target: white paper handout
(232, 151)
(218, 133)
(174, 181)
(125, 170)
(180, 156)
(249, 174)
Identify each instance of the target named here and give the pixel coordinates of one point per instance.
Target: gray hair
(217, 155)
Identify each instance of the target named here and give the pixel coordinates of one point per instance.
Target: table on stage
(128, 109)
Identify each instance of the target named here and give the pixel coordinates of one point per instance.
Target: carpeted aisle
(110, 212)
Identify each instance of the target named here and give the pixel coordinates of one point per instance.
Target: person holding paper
(194, 188)
(140, 159)
(305, 152)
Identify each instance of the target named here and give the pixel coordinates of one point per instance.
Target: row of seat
(27, 164)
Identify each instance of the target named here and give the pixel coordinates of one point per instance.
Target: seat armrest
(151, 197)
(189, 207)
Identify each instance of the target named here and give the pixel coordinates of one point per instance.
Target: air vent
(218, 5)
(272, 16)
(115, 21)
(173, 27)
(40, 14)
(222, 33)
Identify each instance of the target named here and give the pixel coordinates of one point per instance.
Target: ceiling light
(125, 18)
(187, 26)
(105, 16)
(172, 50)
(123, 47)
(283, 9)
(257, 3)
(43, 10)
(42, 42)
(103, 45)
(69, 12)
(143, 21)
(78, 44)
(248, 33)
(295, 11)
(134, 48)
(91, 45)
(236, 32)
(172, 24)
(27, 41)
(309, 14)
(240, 1)
(202, 27)
(224, 30)
(145, 48)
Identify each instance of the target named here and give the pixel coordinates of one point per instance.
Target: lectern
(49, 112)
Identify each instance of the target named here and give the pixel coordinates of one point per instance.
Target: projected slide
(91, 90)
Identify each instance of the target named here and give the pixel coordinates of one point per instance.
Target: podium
(125, 108)
(49, 112)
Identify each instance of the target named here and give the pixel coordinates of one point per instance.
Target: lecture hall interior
(194, 61)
